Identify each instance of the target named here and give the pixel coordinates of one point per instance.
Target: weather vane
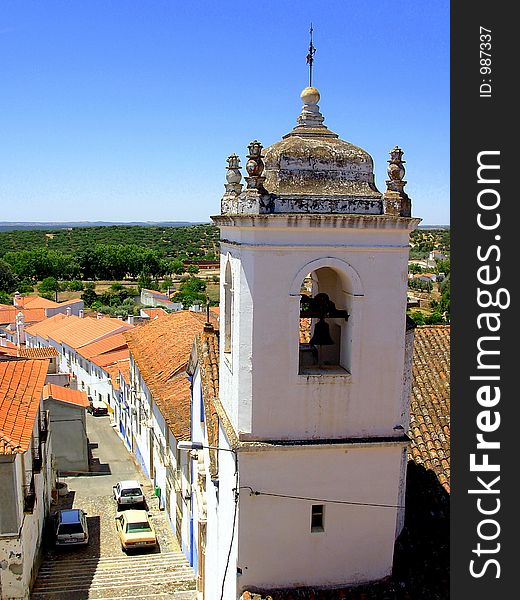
(310, 57)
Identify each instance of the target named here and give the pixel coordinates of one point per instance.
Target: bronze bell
(321, 335)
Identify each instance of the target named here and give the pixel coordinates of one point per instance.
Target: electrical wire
(253, 492)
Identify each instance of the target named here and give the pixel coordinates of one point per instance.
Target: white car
(128, 493)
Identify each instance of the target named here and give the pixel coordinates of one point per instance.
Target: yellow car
(135, 530)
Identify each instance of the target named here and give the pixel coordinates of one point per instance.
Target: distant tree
(5, 298)
(8, 279)
(49, 286)
(193, 269)
(192, 291)
(417, 317)
(89, 295)
(415, 268)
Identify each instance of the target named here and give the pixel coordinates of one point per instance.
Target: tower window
(324, 340)
(228, 309)
(317, 511)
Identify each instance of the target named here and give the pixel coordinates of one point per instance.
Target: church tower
(312, 362)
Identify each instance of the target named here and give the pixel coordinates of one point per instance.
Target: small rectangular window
(317, 511)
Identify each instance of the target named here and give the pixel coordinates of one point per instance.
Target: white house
(26, 474)
(160, 395)
(307, 485)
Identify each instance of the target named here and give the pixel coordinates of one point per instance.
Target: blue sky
(125, 110)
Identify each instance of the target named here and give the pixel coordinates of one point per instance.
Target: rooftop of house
(108, 344)
(109, 358)
(67, 395)
(37, 353)
(114, 370)
(48, 326)
(430, 401)
(207, 349)
(76, 331)
(161, 350)
(154, 312)
(21, 386)
(31, 315)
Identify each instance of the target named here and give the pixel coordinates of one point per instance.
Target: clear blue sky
(126, 110)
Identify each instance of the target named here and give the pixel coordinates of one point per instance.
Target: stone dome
(311, 160)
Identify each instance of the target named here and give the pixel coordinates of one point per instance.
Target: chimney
(130, 319)
(99, 315)
(81, 314)
(20, 329)
(68, 311)
(16, 299)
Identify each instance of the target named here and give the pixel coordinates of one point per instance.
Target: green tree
(89, 295)
(192, 291)
(48, 286)
(8, 279)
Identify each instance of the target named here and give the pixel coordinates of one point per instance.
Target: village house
(159, 408)
(67, 416)
(154, 298)
(26, 473)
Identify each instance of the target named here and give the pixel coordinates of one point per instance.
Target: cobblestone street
(101, 569)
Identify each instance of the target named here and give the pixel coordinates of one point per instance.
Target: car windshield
(131, 492)
(70, 528)
(135, 527)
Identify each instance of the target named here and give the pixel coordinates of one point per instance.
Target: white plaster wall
(286, 405)
(220, 511)
(276, 546)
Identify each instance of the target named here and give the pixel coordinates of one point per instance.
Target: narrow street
(102, 570)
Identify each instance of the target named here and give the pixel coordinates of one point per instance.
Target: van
(71, 527)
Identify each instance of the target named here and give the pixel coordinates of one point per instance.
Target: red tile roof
(50, 325)
(110, 358)
(108, 344)
(430, 401)
(37, 353)
(21, 385)
(57, 392)
(81, 332)
(36, 302)
(154, 312)
(208, 356)
(161, 350)
(31, 315)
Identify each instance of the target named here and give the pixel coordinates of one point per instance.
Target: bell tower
(312, 356)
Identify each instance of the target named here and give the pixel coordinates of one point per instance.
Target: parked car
(135, 530)
(97, 407)
(128, 493)
(70, 527)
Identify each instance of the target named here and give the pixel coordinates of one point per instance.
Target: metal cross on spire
(310, 57)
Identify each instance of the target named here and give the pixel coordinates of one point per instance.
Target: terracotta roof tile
(154, 312)
(161, 350)
(31, 315)
(83, 331)
(38, 353)
(36, 302)
(430, 401)
(208, 355)
(47, 326)
(108, 344)
(21, 385)
(63, 394)
(109, 358)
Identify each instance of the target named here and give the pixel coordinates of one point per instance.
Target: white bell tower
(312, 358)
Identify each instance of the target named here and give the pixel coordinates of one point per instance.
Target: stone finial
(233, 175)
(255, 167)
(310, 115)
(396, 169)
(396, 200)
